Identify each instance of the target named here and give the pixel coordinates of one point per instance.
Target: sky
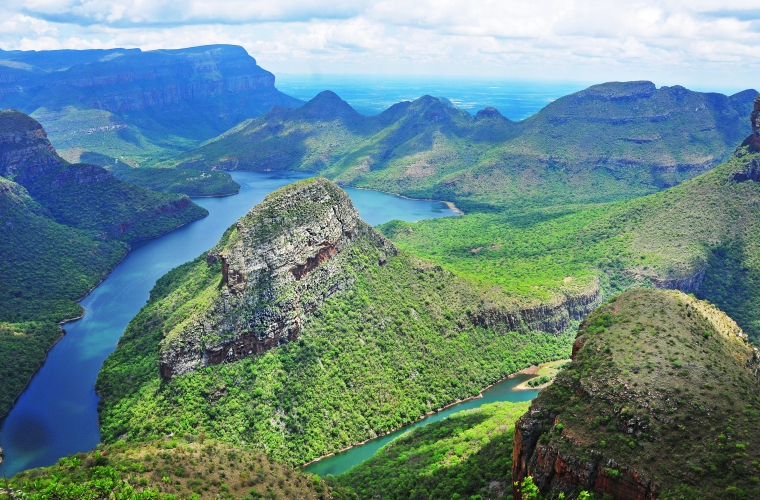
(701, 44)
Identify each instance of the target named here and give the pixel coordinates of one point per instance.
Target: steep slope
(126, 103)
(85, 196)
(609, 142)
(171, 468)
(44, 268)
(459, 457)
(660, 401)
(62, 229)
(304, 331)
(700, 236)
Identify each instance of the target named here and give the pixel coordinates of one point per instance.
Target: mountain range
(608, 142)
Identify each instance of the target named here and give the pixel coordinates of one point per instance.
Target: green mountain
(135, 105)
(609, 142)
(660, 401)
(190, 467)
(304, 331)
(62, 229)
(700, 236)
(468, 454)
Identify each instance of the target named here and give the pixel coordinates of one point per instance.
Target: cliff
(279, 263)
(25, 151)
(136, 105)
(653, 405)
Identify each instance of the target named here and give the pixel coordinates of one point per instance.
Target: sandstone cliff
(649, 406)
(281, 261)
(25, 151)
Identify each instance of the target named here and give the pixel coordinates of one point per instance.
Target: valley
(211, 289)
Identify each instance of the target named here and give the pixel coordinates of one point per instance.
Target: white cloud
(670, 41)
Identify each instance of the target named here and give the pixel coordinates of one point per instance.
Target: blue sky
(701, 44)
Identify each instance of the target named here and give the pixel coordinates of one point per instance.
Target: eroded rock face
(283, 259)
(754, 139)
(552, 317)
(25, 151)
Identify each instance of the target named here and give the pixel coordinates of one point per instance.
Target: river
(57, 413)
(503, 391)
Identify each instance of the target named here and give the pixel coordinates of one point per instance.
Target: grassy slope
(609, 142)
(169, 469)
(710, 221)
(466, 454)
(677, 365)
(395, 347)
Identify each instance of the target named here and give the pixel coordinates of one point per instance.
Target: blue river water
(57, 413)
(370, 95)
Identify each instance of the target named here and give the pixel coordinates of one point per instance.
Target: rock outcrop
(281, 261)
(647, 409)
(754, 139)
(25, 152)
(551, 317)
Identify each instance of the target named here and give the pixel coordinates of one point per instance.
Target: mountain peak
(618, 91)
(277, 264)
(328, 105)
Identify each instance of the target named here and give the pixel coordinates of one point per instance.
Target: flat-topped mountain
(658, 402)
(127, 103)
(608, 142)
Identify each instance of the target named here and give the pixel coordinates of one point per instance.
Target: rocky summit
(278, 264)
(660, 401)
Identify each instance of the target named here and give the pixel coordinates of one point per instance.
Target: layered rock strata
(281, 261)
(633, 416)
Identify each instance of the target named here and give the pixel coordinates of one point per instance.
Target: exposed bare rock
(282, 260)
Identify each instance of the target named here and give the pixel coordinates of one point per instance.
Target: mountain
(609, 142)
(135, 105)
(658, 402)
(63, 227)
(167, 469)
(304, 331)
(699, 237)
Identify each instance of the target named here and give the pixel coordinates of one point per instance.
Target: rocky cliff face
(282, 260)
(25, 152)
(754, 139)
(648, 407)
(550, 317)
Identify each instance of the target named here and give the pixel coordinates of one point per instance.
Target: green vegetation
(463, 456)
(398, 344)
(609, 142)
(169, 469)
(708, 223)
(663, 384)
(59, 239)
(169, 180)
(44, 268)
(22, 349)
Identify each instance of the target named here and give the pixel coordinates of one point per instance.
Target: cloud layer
(701, 43)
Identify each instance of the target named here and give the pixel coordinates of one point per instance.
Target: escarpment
(277, 266)
(25, 152)
(655, 404)
(551, 317)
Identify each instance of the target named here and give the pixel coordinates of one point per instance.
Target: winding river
(57, 413)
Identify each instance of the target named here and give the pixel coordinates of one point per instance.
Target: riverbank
(549, 369)
(530, 372)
